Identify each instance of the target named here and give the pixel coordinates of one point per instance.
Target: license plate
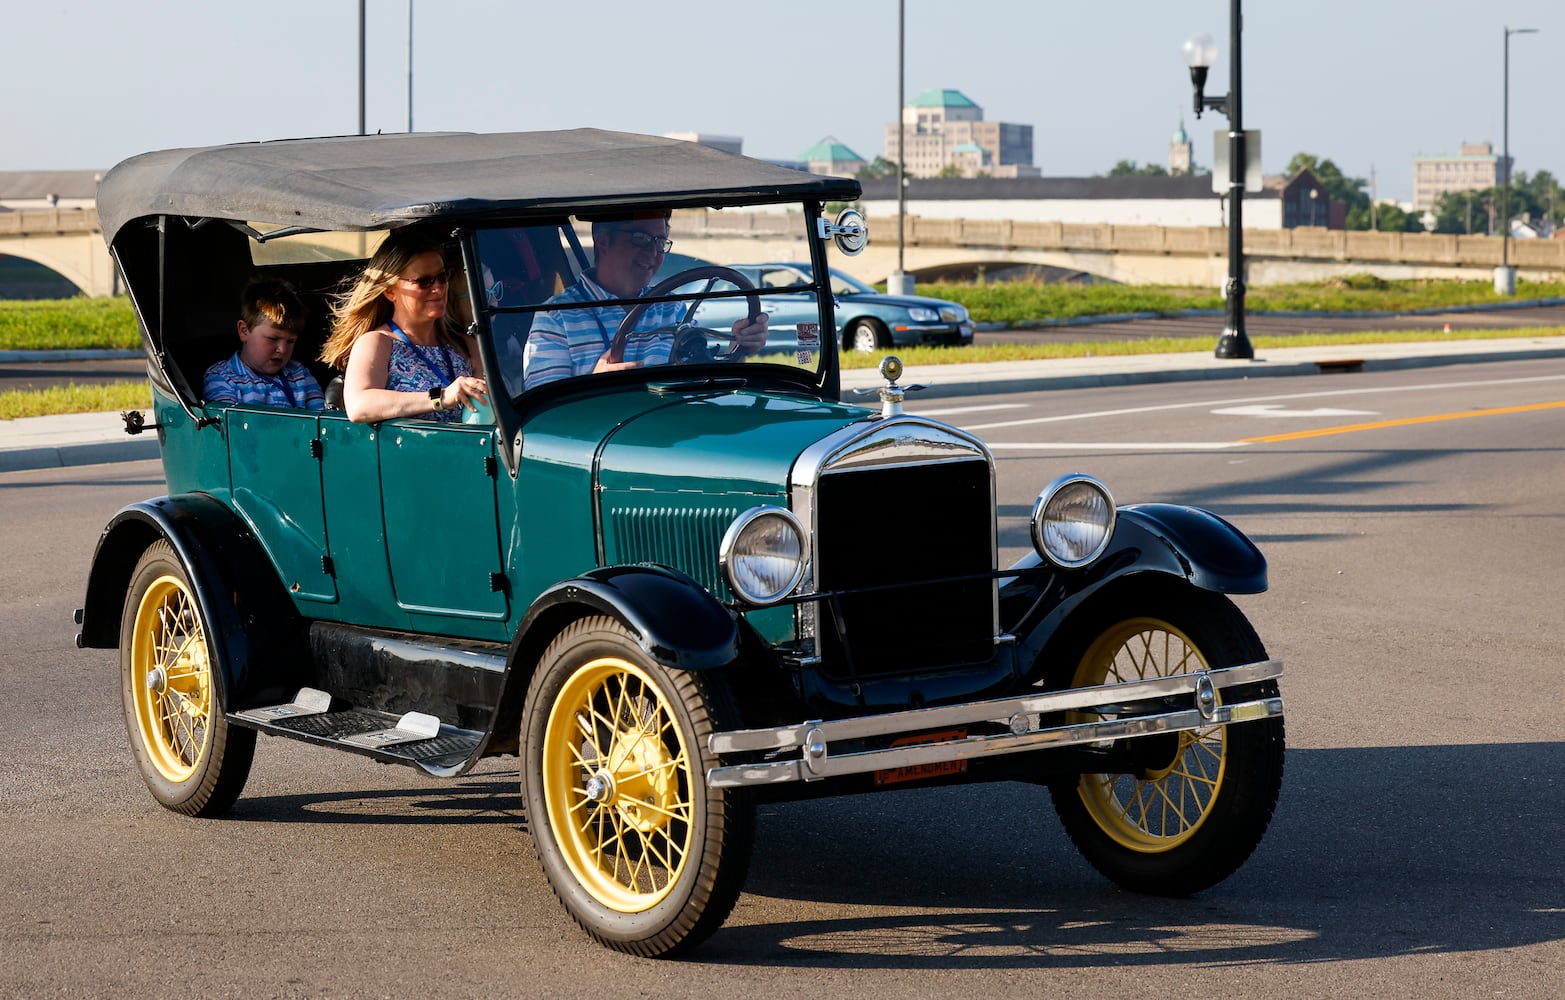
(917, 772)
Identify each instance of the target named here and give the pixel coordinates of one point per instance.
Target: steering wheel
(690, 341)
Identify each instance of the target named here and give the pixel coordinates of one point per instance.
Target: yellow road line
(1350, 428)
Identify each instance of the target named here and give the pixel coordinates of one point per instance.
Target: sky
(1369, 84)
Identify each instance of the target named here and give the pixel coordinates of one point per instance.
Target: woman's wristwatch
(434, 398)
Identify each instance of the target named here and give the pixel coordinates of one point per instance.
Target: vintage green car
(672, 589)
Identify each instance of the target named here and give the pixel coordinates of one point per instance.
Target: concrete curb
(133, 449)
(86, 354)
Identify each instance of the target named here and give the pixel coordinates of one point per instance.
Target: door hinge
(315, 448)
(327, 566)
(491, 467)
(499, 584)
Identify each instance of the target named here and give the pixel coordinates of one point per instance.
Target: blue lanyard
(281, 382)
(445, 375)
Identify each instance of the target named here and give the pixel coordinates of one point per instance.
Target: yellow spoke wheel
(617, 783)
(171, 679)
(1173, 813)
(183, 746)
(645, 857)
(1163, 805)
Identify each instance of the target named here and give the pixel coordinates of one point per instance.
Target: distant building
(30, 189)
(829, 156)
(726, 143)
(1306, 203)
(1475, 168)
(943, 130)
(1181, 152)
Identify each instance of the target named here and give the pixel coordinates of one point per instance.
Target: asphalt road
(1415, 565)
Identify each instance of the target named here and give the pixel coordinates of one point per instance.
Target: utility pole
(361, 67)
(1373, 223)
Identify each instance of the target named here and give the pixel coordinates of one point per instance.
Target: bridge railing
(1307, 244)
(41, 221)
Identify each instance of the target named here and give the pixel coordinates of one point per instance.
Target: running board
(413, 738)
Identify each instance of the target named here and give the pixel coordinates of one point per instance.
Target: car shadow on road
(494, 799)
(1373, 852)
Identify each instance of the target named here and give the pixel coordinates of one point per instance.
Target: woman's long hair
(364, 306)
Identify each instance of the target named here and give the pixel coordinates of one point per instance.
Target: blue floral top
(419, 369)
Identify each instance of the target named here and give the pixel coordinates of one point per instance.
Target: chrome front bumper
(1133, 708)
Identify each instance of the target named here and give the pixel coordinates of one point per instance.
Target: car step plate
(308, 701)
(411, 728)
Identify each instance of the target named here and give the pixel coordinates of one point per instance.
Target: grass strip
(73, 398)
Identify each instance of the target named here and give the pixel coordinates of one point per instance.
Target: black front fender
(673, 617)
(678, 623)
(1210, 553)
(249, 619)
(1180, 544)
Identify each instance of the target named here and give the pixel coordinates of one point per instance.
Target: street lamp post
(899, 283)
(1504, 276)
(1200, 53)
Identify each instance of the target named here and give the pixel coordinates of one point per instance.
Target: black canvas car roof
(382, 181)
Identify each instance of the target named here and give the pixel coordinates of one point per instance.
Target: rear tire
(643, 855)
(1190, 821)
(191, 759)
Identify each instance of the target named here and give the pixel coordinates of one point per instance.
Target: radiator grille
(888, 533)
(683, 536)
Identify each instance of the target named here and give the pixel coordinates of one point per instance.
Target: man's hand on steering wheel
(749, 336)
(690, 342)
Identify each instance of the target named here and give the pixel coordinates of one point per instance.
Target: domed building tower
(1180, 152)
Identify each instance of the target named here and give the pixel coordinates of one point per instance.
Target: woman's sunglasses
(428, 281)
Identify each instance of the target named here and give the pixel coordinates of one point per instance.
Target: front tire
(644, 856)
(191, 759)
(1190, 818)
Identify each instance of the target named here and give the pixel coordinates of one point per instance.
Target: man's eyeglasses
(646, 241)
(428, 281)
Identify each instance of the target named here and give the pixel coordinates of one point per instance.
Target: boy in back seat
(262, 371)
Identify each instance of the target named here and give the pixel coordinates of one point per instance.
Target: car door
(275, 473)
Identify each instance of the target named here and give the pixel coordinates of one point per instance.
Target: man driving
(628, 252)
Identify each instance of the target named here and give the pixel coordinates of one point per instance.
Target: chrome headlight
(1072, 521)
(921, 314)
(762, 554)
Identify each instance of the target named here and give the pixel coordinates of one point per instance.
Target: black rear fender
(250, 620)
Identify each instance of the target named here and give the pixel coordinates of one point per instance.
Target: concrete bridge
(70, 242)
(1174, 255)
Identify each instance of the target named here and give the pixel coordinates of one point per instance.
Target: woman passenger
(391, 336)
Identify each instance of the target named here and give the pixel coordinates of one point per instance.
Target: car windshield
(570, 299)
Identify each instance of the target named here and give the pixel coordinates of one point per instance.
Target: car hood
(741, 442)
(899, 301)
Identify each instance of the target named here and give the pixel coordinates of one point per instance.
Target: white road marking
(1276, 410)
(1113, 445)
(948, 411)
(1377, 390)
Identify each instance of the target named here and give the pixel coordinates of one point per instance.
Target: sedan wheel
(864, 337)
